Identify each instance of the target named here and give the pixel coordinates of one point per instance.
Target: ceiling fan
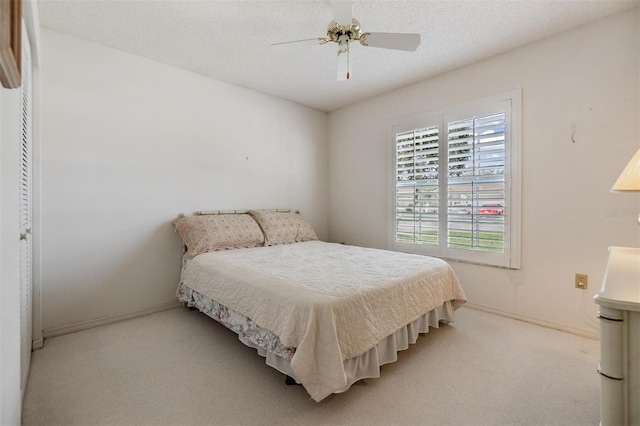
(344, 29)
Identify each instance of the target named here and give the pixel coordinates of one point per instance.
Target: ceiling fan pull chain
(348, 63)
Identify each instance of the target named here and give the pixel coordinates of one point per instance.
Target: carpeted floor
(181, 367)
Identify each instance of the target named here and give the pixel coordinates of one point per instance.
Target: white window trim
(512, 257)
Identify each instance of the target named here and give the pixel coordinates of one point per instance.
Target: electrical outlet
(582, 281)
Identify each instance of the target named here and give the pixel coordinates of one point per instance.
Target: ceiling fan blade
(306, 42)
(342, 12)
(396, 41)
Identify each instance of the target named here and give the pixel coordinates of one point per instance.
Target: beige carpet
(181, 367)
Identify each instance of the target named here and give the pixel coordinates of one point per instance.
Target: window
(456, 182)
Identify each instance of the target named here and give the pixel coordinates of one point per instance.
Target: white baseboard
(591, 334)
(83, 325)
(97, 322)
(37, 343)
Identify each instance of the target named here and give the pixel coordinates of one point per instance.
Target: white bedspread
(329, 301)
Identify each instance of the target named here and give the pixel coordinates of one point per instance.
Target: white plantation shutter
(476, 183)
(453, 193)
(417, 192)
(26, 239)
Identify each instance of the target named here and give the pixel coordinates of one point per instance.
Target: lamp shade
(629, 179)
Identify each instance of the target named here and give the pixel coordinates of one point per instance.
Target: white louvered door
(26, 239)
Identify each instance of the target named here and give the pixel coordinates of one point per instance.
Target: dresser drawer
(611, 400)
(611, 338)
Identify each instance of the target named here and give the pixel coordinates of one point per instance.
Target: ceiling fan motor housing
(336, 32)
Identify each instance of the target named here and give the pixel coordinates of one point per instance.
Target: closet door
(26, 238)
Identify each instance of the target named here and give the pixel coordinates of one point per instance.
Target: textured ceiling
(229, 40)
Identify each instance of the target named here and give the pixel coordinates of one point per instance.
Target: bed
(324, 314)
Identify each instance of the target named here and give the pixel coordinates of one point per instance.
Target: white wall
(127, 145)
(585, 79)
(10, 138)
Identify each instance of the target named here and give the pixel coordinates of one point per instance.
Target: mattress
(331, 302)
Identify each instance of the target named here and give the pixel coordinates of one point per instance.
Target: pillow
(305, 230)
(204, 233)
(283, 228)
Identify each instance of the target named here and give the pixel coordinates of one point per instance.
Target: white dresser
(619, 314)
